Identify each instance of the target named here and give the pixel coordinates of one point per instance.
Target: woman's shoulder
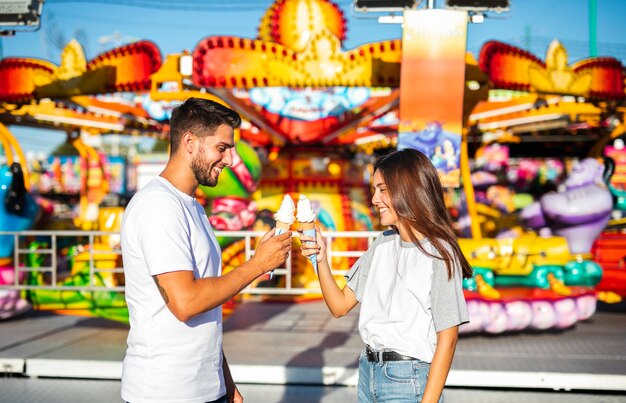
(386, 236)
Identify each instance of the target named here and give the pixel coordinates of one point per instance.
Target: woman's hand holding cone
(313, 246)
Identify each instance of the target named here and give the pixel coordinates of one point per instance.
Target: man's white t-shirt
(166, 230)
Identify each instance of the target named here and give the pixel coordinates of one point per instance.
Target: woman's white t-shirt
(166, 230)
(405, 297)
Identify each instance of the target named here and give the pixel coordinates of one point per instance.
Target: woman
(408, 283)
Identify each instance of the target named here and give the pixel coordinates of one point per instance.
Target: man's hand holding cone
(285, 216)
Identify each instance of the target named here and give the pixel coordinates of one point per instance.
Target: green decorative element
(487, 275)
(228, 184)
(620, 198)
(537, 278)
(356, 216)
(102, 304)
(34, 259)
(593, 17)
(225, 241)
(250, 158)
(326, 219)
(584, 273)
(522, 200)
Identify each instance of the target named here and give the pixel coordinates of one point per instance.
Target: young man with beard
(172, 265)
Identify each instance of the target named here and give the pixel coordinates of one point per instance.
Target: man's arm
(187, 296)
(232, 393)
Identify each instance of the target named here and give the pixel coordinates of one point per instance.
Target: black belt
(384, 356)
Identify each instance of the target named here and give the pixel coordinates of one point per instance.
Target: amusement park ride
(314, 116)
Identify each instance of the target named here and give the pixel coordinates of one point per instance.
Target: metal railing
(40, 254)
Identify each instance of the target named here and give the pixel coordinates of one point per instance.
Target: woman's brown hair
(417, 197)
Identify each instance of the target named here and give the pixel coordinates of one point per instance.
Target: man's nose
(228, 157)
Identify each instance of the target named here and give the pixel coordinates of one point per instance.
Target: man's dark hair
(200, 117)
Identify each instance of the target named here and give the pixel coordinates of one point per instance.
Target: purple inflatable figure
(579, 213)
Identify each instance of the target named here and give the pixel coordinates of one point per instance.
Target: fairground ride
(319, 112)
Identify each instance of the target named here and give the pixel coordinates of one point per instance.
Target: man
(172, 265)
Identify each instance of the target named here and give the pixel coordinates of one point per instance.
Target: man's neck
(180, 176)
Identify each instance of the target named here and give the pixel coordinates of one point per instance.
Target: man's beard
(202, 171)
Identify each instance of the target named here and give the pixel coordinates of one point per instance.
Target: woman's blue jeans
(392, 381)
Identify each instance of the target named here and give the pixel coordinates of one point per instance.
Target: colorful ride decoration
(85, 115)
(548, 96)
(27, 84)
(127, 68)
(520, 309)
(541, 282)
(106, 257)
(18, 209)
(431, 119)
(336, 187)
(94, 184)
(510, 272)
(509, 67)
(299, 45)
(526, 283)
(609, 250)
(102, 303)
(580, 212)
(11, 301)
(304, 58)
(231, 204)
(617, 185)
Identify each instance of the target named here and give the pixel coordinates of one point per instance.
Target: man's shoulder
(154, 196)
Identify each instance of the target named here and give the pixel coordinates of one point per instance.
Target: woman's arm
(339, 301)
(439, 368)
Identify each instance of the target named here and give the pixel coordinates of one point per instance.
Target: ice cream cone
(284, 218)
(306, 218)
(281, 227)
(308, 228)
(305, 226)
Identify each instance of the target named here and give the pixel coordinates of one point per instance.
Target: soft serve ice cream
(285, 216)
(306, 217)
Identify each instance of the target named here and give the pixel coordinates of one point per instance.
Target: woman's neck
(405, 234)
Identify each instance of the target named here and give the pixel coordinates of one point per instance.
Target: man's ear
(188, 141)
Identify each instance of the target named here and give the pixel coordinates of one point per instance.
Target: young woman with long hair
(408, 283)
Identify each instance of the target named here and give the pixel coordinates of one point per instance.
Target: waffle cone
(283, 226)
(307, 225)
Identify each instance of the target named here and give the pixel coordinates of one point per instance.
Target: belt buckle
(377, 355)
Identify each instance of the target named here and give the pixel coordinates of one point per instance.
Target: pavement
(271, 343)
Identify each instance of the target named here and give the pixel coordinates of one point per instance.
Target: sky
(177, 25)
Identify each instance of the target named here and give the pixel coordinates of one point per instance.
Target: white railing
(25, 250)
